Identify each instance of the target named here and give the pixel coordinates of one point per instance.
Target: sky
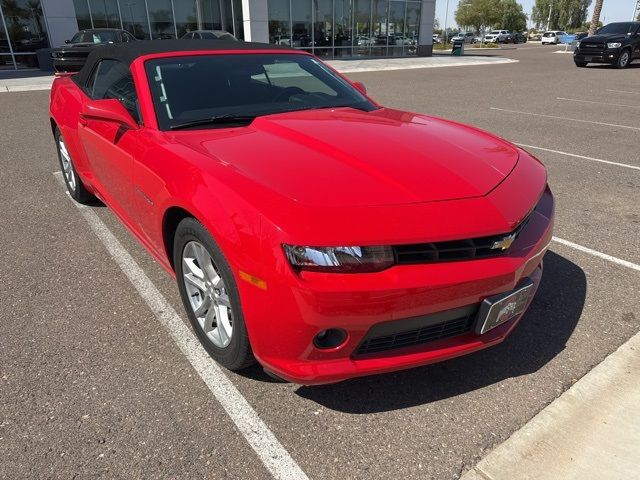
(612, 10)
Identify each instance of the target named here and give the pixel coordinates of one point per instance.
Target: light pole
(636, 11)
(446, 17)
(549, 17)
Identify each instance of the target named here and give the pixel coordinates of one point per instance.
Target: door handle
(83, 120)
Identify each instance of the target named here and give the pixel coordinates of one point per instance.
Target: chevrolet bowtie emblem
(504, 242)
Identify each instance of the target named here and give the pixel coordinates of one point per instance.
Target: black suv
(617, 44)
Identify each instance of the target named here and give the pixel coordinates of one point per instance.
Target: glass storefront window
(322, 24)
(22, 32)
(211, 15)
(301, 25)
(82, 14)
(134, 18)
(105, 13)
(395, 29)
(280, 22)
(363, 35)
(412, 25)
(379, 25)
(346, 28)
(161, 19)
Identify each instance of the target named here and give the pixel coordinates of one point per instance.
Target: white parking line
(623, 91)
(595, 253)
(597, 103)
(565, 118)
(633, 167)
(271, 452)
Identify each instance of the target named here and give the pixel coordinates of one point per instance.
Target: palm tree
(595, 19)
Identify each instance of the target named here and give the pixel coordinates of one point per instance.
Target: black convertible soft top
(128, 52)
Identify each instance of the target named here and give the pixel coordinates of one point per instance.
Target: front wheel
(76, 188)
(623, 59)
(210, 296)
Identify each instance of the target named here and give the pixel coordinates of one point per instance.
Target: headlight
(340, 259)
(614, 45)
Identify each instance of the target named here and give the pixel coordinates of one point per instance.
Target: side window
(114, 80)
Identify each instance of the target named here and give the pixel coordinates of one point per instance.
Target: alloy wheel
(67, 166)
(207, 294)
(624, 59)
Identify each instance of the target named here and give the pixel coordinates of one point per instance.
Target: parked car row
(73, 55)
(495, 36)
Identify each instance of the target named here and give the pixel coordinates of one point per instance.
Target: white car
(497, 36)
(552, 37)
(466, 37)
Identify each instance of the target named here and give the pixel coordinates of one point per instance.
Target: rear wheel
(623, 59)
(74, 184)
(210, 296)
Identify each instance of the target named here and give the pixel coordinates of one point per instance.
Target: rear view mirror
(67, 41)
(109, 110)
(360, 87)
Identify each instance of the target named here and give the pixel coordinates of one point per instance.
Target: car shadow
(541, 335)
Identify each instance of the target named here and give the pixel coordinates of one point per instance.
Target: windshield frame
(149, 63)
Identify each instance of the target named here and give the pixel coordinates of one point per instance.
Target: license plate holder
(588, 59)
(501, 308)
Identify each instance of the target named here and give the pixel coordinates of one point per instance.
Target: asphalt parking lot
(92, 384)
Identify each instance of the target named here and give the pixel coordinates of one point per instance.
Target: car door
(110, 147)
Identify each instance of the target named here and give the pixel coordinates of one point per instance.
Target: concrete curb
(592, 431)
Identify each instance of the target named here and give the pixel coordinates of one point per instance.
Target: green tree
(565, 14)
(513, 17)
(478, 14)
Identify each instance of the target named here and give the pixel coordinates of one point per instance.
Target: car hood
(607, 37)
(347, 157)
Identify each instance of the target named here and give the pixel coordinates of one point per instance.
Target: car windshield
(94, 37)
(619, 28)
(194, 88)
(495, 33)
(549, 34)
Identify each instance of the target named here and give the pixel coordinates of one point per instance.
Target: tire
(580, 64)
(74, 184)
(624, 59)
(213, 308)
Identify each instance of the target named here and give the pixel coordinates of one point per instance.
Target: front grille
(586, 48)
(471, 248)
(417, 331)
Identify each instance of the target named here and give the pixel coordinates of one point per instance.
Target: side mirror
(360, 87)
(109, 110)
(67, 41)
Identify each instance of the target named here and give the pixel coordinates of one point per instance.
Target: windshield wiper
(319, 107)
(220, 119)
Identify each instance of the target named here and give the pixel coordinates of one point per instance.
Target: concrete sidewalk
(438, 60)
(24, 80)
(21, 81)
(592, 431)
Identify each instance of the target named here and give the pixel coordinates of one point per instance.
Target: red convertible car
(308, 227)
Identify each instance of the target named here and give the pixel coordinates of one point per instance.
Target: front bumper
(608, 56)
(296, 307)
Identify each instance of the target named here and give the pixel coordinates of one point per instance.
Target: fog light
(331, 338)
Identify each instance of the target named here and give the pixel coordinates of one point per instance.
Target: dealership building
(327, 28)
